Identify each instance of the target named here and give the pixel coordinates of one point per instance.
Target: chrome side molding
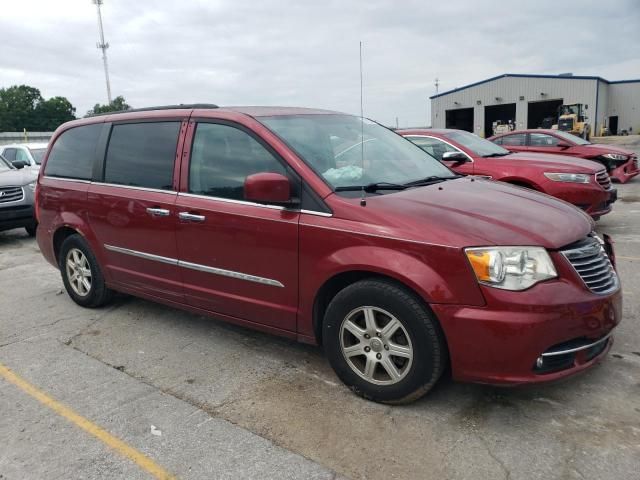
(196, 266)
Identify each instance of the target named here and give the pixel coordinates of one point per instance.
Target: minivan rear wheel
(383, 342)
(81, 274)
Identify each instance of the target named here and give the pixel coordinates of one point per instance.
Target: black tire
(98, 294)
(427, 341)
(31, 230)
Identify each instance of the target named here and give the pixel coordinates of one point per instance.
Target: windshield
(333, 145)
(477, 145)
(4, 164)
(571, 138)
(38, 154)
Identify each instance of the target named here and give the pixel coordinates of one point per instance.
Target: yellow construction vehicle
(573, 119)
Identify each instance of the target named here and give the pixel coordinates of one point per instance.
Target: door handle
(191, 217)
(158, 212)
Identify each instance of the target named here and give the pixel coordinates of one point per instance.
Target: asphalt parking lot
(171, 393)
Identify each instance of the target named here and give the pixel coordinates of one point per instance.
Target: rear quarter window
(73, 153)
(142, 154)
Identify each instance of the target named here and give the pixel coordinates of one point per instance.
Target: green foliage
(117, 104)
(22, 106)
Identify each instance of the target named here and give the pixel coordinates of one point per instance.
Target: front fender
(438, 274)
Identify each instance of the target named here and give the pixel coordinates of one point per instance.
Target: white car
(30, 154)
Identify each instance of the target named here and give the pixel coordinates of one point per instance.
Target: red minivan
(332, 230)
(582, 183)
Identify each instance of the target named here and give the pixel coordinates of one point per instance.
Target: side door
(437, 148)
(131, 205)
(515, 142)
(237, 258)
(545, 143)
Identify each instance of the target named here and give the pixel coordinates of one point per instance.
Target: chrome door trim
(230, 274)
(196, 266)
(443, 141)
(253, 204)
(231, 200)
(146, 256)
(133, 187)
(65, 179)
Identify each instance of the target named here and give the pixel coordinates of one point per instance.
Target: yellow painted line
(101, 434)
(628, 258)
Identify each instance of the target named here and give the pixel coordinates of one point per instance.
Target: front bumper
(625, 172)
(17, 216)
(501, 342)
(591, 198)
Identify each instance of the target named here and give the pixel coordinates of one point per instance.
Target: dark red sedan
(583, 183)
(621, 164)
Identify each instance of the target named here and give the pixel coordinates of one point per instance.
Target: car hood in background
(596, 149)
(559, 163)
(13, 178)
(474, 212)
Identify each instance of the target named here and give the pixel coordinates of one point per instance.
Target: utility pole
(437, 84)
(103, 46)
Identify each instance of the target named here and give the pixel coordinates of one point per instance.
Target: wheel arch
(332, 286)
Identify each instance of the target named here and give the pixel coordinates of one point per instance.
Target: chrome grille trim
(603, 179)
(11, 194)
(592, 264)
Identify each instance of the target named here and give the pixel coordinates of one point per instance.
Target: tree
(22, 107)
(53, 112)
(117, 104)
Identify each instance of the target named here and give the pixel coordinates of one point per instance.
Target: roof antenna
(363, 199)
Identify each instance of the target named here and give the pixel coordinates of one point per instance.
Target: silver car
(17, 187)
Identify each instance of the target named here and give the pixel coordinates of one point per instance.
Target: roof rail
(160, 107)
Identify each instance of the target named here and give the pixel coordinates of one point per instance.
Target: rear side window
(142, 154)
(222, 157)
(73, 153)
(516, 140)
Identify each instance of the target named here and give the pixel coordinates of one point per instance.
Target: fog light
(539, 362)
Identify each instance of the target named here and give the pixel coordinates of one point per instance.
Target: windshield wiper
(371, 187)
(496, 155)
(430, 180)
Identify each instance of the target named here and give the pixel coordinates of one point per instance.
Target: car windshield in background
(479, 146)
(333, 145)
(38, 154)
(572, 138)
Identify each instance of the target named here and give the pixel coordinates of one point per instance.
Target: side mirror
(457, 157)
(267, 188)
(564, 145)
(19, 163)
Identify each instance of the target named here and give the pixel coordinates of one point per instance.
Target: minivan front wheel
(81, 273)
(383, 342)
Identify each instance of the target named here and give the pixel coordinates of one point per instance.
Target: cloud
(305, 53)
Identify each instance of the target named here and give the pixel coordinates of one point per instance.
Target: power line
(102, 45)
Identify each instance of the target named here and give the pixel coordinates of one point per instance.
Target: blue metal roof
(521, 75)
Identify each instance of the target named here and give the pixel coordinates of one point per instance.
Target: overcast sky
(305, 52)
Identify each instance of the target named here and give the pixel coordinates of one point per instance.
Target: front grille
(11, 194)
(603, 179)
(591, 262)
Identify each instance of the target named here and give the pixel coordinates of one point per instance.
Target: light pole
(102, 45)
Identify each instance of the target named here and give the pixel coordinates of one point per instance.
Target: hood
(596, 149)
(474, 212)
(18, 178)
(559, 163)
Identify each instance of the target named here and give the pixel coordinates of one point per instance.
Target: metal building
(532, 101)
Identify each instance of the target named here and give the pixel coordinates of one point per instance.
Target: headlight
(511, 268)
(615, 156)
(568, 177)
(32, 186)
